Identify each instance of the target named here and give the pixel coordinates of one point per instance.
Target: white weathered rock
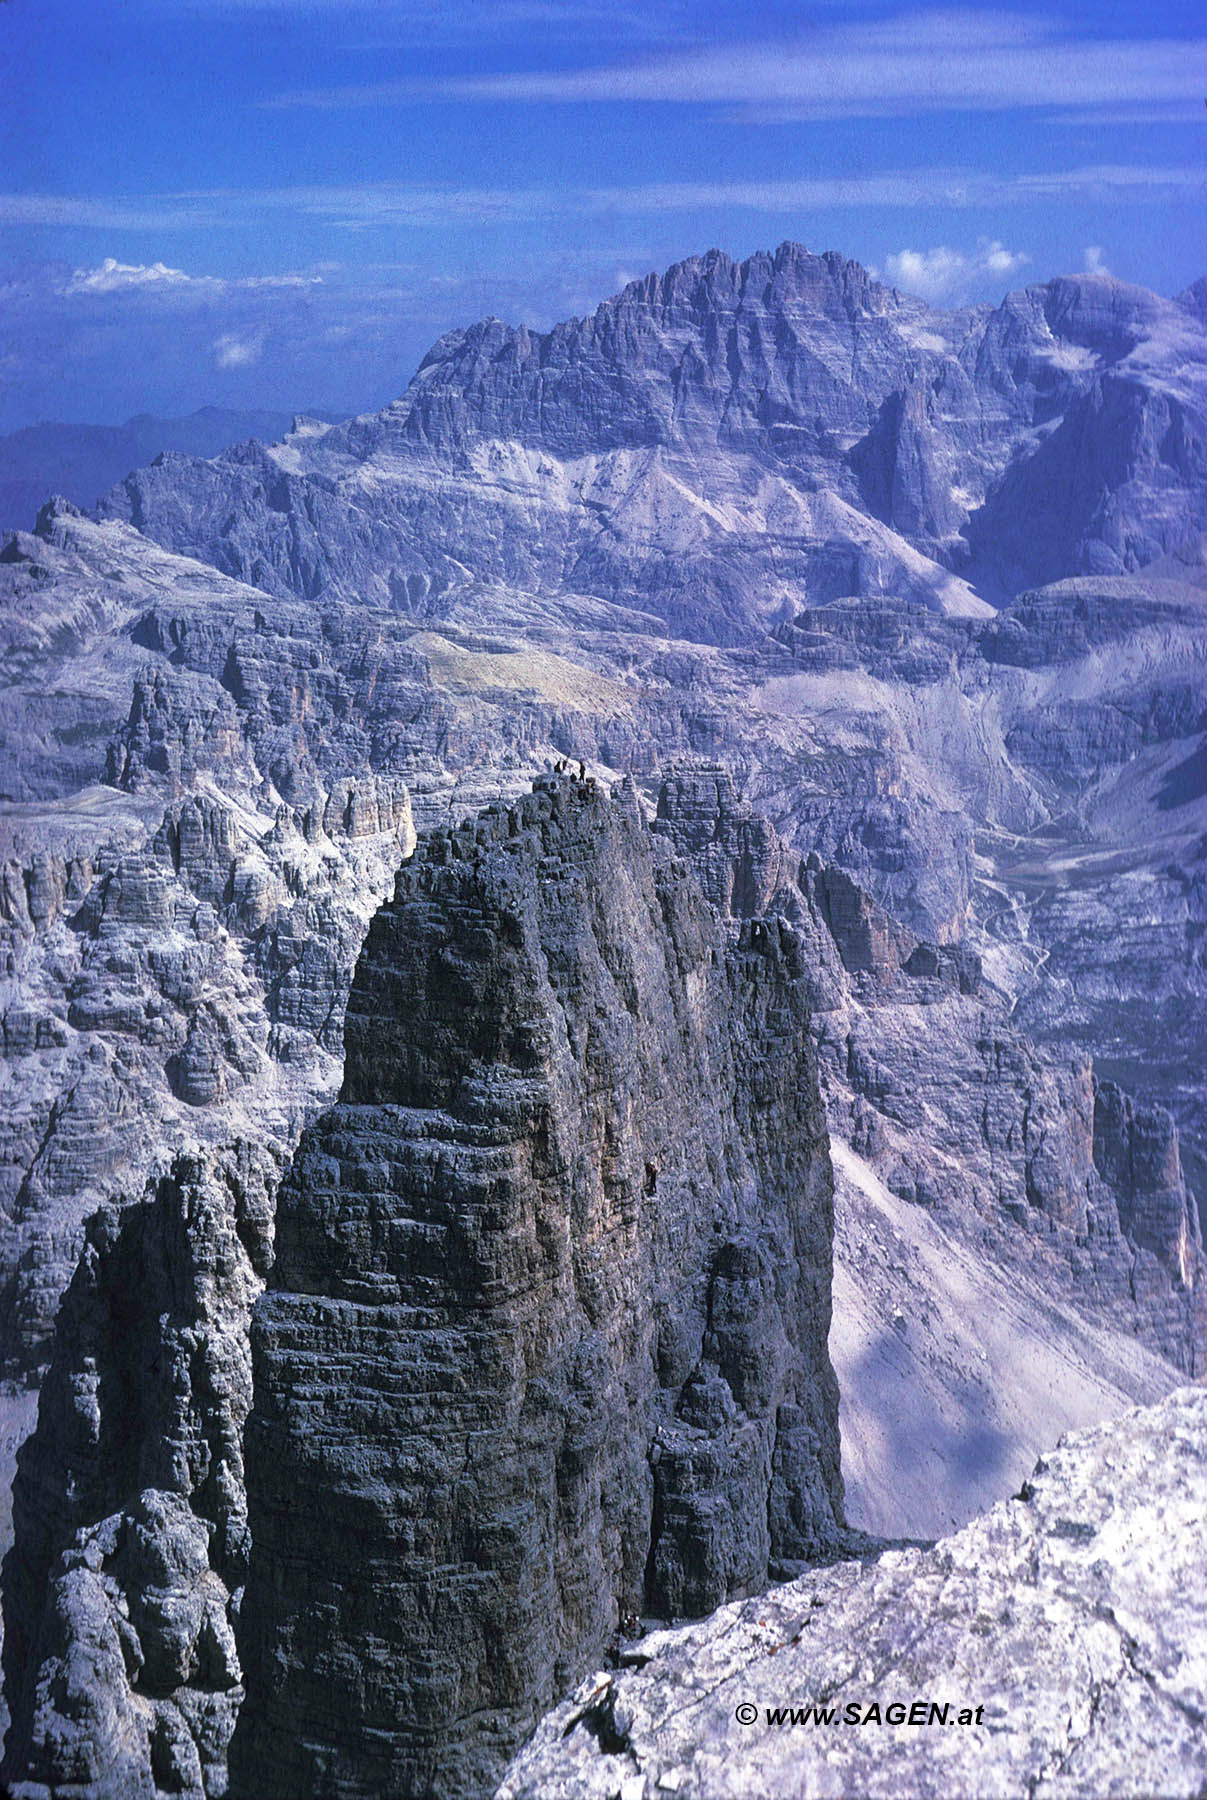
(721, 442)
(1073, 1617)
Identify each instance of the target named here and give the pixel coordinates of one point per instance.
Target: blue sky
(284, 202)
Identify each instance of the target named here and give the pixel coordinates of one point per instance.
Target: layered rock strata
(171, 977)
(545, 1343)
(1030, 784)
(176, 936)
(717, 443)
(201, 793)
(1066, 1627)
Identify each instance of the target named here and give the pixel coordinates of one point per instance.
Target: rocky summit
(544, 1346)
(786, 458)
(578, 1172)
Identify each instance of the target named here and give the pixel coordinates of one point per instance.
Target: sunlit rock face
(545, 1342)
(560, 1006)
(783, 449)
(1085, 1585)
(83, 461)
(1016, 1251)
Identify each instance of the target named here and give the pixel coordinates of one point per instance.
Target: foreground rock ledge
(1076, 1615)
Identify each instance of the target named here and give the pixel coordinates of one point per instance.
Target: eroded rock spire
(545, 1344)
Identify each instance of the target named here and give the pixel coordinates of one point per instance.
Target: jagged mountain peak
(616, 1081)
(182, 917)
(726, 442)
(668, 322)
(55, 508)
(708, 283)
(775, 278)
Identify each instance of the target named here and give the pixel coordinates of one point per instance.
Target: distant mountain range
(81, 462)
(721, 443)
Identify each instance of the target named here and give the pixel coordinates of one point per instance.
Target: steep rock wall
(545, 1344)
(1056, 1175)
(1040, 1200)
(167, 982)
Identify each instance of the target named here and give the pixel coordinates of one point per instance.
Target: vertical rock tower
(545, 1342)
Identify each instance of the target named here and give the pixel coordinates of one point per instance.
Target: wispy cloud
(451, 21)
(396, 203)
(1095, 262)
(411, 15)
(965, 59)
(360, 205)
(233, 351)
(113, 277)
(946, 274)
(1115, 179)
(388, 202)
(162, 212)
(1172, 113)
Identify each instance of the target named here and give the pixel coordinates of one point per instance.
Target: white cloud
(113, 277)
(235, 351)
(995, 259)
(1094, 261)
(395, 202)
(965, 59)
(407, 17)
(946, 274)
(371, 25)
(377, 203)
(1170, 113)
(1115, 179)
(930, 273)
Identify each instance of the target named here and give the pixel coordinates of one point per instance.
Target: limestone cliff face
(545, 1343)
(1136, 1151)
(499, 1280)
(717, 443)
(176, 936)
(175, 980)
